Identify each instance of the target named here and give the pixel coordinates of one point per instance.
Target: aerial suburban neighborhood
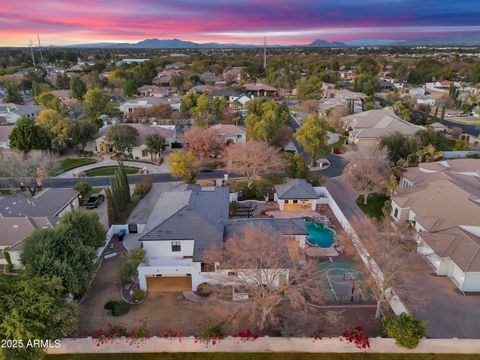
(248, 192)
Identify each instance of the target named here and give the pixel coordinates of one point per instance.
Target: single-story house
(146, 102)
(208, 77)
(260, 89)
(177, 253)
(155, 91)
(227, 93)
(101, 146)
(13, 230)
(366, 128)
(50, 203)
(65, 96)
(5, 131)
(439, 127)
(441, 200)
(132, 61)
(10, 112)
(296, 193)
(230, 133)
(424, 100)
(235, 73)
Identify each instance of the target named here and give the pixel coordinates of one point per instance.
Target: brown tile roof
(14, 229)
(461, 246)
(226, 130)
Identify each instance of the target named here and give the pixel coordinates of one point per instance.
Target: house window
(176, 246)
(286, 201)
(295, 201)
(395, 213)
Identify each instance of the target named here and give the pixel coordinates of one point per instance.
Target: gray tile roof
(296, 189)
(193, 214)
(48, 203)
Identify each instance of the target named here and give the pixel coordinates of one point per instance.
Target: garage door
(169, 283)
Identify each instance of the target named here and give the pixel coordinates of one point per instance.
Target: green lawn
(262, 356)
(7, 191)
(375, 203)
(109, 171)
(72, 163)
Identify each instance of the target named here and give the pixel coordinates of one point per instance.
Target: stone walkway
(152, 169)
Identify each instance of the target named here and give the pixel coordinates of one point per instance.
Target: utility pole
(40, 48)
(31, 51)
(265, 52)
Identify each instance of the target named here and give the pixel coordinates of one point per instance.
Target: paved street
(345, 197)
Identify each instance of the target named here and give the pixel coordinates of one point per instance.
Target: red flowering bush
(172, 334)
(109, 334)
(247, 335)
(357, 336)
(139, 333)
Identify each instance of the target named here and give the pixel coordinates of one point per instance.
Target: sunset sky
(60, 22)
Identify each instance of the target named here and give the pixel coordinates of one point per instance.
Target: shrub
(357, 336)
(253, 192)
(139, 294)
(84, 188)
(316, 180)
(405, 329)
(215, 165)
(204, 289)
(143, 187)
(473, 156)
(210, 333)
(117, 308)
(274, 178)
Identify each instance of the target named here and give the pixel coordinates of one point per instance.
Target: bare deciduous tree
(282, 136)
(27, 170)
(366, 175)
(256, 261)
(252, 158)
(203, 142)
(390, 252)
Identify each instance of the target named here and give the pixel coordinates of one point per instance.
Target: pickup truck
(94, 200)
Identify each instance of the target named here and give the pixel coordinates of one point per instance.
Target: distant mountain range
(448, 40)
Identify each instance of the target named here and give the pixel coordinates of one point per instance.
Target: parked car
(94, 200)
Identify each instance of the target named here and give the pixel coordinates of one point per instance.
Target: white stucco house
(184, 226)
(441, 201)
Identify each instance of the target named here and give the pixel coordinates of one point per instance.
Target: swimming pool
(318, 235)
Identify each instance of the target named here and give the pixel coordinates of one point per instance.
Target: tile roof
(378, 123)
(47, 203)
(193, 214)
(296, 189)
(226, 130)
(458, 244)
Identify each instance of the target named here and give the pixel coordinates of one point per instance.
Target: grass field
(262, 356)
(72, 163)
(374, 205)
(109, 171)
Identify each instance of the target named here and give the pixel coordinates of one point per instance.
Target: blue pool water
(318, 234)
